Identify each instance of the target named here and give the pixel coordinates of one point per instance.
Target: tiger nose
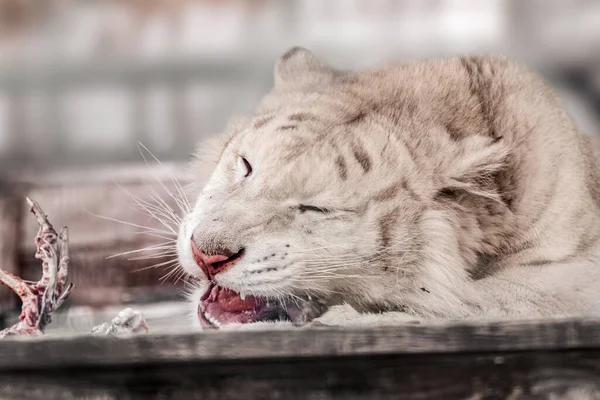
(213, 264)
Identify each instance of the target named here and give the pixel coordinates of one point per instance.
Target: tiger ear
(299, 66)
(473, 172)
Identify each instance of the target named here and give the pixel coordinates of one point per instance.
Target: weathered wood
(10, 221)
(236, 345)
(166, 316)
(76, 199)
(526, 360)
(544, 375)
(72, 197)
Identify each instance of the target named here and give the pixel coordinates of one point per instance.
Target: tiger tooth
(212, 320)
(242, 296)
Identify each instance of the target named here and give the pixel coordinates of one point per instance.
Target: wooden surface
(10, 222)
(76, 199)
(167, 316)
(516, 360)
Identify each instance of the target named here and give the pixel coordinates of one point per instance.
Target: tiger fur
(454, 188)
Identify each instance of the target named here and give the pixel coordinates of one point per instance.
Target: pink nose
(213, 264)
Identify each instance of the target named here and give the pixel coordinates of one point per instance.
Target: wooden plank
(500, 360)
(31, 353)
(10, 219)
(166, 317)
(76, 198)
(71, 197)
(544, 375)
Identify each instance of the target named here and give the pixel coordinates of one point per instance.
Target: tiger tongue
(220, 306)
(230, 301)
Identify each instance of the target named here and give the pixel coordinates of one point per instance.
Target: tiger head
(346, 187)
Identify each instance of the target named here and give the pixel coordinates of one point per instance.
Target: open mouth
(220, 306)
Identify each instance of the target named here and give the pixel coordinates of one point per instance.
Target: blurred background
(83, 81)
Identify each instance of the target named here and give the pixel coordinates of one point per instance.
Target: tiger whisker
(173, 269)
(182, 202)
(148, 248)
(153, 256)
(153, 234)
(156, 265)
(146, 207)
(127, 223)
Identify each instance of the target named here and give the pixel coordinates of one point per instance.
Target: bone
(42, 298)
(127, 321)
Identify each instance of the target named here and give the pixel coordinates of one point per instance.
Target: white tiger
(440, 189)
